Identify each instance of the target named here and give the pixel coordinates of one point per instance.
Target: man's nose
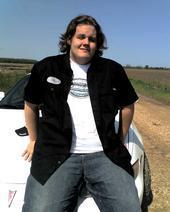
(85, 41)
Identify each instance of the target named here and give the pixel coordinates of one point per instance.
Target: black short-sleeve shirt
(109, 90)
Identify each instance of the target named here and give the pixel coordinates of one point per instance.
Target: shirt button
(59, 162)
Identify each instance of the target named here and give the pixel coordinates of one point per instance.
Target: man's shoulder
(50, 65)
(109, 65)
(107, 61)
(51, 60)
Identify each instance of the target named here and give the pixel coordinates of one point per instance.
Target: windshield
(14, 97)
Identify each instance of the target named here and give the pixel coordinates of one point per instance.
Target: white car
(14, 170)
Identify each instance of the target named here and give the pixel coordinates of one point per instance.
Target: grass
(10, 73)
(152, 83)
(146, 89)
(7, 80)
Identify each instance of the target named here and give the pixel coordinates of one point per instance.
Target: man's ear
(69, 42)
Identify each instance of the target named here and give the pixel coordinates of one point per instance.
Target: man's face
(83, 44)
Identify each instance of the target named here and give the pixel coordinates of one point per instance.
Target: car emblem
(11, 195)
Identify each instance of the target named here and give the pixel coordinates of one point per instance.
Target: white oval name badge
(53, 80)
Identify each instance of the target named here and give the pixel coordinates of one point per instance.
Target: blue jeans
(112, 188)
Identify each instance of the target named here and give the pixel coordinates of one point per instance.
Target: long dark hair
(71, 29)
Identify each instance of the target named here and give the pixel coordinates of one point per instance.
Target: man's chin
(84, 59)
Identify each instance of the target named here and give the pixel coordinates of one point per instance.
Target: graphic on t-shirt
(79, 88)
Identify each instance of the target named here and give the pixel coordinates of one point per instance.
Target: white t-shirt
(85, 136)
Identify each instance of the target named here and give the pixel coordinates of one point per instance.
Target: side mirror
(2, 94)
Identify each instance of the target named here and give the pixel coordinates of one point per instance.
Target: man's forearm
(31, 119)
(127, 116)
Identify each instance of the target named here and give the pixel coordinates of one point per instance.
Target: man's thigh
(112, 187)
(60, 191)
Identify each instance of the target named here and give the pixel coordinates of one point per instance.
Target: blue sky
(138, 32)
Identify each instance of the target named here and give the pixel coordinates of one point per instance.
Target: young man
(74, 140)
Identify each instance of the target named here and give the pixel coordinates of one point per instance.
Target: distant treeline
(146, 67)
(17, 60)
(31, 61)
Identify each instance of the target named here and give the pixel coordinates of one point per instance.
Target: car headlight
(135, 167)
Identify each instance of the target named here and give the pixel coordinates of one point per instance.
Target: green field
(10, 73)
(151, 83)
(148, 82)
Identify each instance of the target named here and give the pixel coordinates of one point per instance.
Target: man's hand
(27, 154)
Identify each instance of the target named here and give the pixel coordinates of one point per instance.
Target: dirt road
(153, 121)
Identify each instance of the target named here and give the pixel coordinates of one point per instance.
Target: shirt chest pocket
(53, 97)
(53, 86)
(53, 89)
(108, 100)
